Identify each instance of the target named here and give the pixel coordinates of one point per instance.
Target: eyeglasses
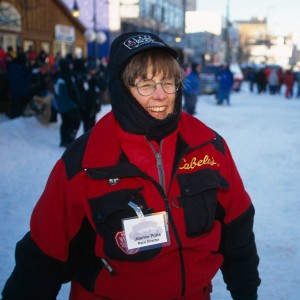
(147, 87)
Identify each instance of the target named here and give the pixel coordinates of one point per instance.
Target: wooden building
(42, 25)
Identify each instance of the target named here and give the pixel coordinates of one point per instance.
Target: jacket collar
(104, 149)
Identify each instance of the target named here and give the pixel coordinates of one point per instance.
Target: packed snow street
(262, 131)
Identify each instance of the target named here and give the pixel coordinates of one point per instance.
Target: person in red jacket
(289, 83)
(148, 204)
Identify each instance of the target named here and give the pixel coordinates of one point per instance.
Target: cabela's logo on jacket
(197, 162)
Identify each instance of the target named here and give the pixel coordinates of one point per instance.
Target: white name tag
(146, 232)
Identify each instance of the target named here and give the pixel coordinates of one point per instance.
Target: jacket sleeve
(240, 255)
(42, 256)
(240, 266)
(36, 275)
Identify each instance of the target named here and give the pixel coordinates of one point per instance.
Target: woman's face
(159, 104)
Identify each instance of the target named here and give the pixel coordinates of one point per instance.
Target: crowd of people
(44, 85)
(272, 80)
(261, 80)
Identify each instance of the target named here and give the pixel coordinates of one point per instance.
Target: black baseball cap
(129, 44)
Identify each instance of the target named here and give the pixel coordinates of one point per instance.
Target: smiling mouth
(157, 108)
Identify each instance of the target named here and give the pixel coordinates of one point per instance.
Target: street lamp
(178, 39)
(227, 38)
(92, 35)
(75, 9)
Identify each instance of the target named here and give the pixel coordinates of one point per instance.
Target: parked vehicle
(208, 81)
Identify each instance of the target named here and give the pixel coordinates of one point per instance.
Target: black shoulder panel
(73, 156)
(218, 143)
(181, 145)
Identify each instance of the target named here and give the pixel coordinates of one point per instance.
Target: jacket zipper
(160, 169)
(161, 175)
(168, 208)
(159, 164)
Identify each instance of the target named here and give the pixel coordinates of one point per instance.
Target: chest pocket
(199, 199)
(108, 212)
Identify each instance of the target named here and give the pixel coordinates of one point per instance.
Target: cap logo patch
(141, 40)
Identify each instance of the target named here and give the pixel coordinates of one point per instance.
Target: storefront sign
(64, 33)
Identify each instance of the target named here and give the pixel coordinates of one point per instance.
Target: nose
(159, 93)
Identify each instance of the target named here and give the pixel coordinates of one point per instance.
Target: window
(46, 47)
(27, 45)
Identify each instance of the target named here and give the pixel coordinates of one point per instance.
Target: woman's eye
(145, 85)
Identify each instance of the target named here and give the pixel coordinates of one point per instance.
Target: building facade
(166, 18)
(258, 46)
(42, 25)
(254, 40)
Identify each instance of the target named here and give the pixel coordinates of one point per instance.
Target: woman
(147, 205)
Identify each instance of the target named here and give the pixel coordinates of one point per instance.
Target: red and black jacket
(77, 221)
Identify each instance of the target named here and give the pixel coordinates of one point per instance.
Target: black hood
(129, 113)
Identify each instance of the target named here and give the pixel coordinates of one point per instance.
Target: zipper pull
(108, 266)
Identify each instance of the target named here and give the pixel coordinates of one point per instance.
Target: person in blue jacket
(192, 89)
(225, 83)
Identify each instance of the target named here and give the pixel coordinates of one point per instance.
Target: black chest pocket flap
(199, 199)
(108, 211)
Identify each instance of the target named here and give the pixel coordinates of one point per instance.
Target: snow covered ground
(263, 134)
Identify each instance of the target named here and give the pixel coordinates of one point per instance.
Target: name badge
(146, 231)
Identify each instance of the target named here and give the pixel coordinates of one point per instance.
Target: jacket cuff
(238, 297)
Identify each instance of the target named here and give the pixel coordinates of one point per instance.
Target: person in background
(101, 74)
(297, 80)
(192, 89)
(280, 80)
(149, 196)
(11, 54)
(94, 86)
(273, 81)
(19, 84)
(251, 76)
(43, 99)
(3, 81)
(289, 83)
(68, 102)
(225, 83)
(2, 60)
(42, 58)
(261, 81)
(30, 52)
(79, 73)
(35, 73)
